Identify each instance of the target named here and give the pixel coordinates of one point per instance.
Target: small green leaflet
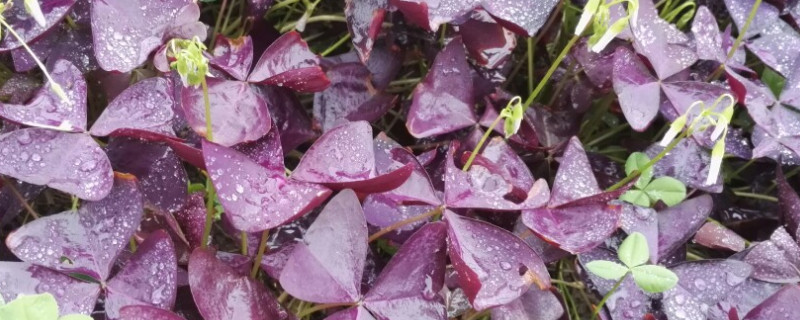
(666, 189)
(653, 278)
(634, 251)
(646, 191)
(607, 269)
(636, 161)
(512, 114)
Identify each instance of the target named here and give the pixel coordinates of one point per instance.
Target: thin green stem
(336, 45)
(605, 297)
(576, 284)
(608, 134)
(211, 194)
(319, 18)
(550, 71)
(262, 246)
(480, 143)
(20, 198)
(132, 245)
(321, 307)
(755, 196)
(744, 166)
(531, 49)
(738, 41)
(243, 243)
(54, 85)
(207, 102)
(400, 224)
(217, 24)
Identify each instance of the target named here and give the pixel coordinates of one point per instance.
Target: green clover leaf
(667, 189)
(653, 278)
(607, 269)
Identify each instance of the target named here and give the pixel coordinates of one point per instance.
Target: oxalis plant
(634, 254)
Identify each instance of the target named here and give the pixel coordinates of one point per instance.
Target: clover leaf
(35, 307)
(634, 253)
(647, 191)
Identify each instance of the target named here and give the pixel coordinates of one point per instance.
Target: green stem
(319, 18)
(550, 71)
(480, 143)
(207, 101)
(132, 245)
(635, 174)
(608, 134)
(400, 224)
(605, 297)
(54, 85)
(243, 244)
(20, 198)
(738, 41)
(211, 194)
(217, 24)
(336, 45)
(262, 246)
(744, 166)
(530, 64)
(576, 284)
(755, 196)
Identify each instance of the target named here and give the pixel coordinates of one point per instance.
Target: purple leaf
(350, 97)
(778, 47)
(494, 266)
(677, 224)
(26, 26)
(523, 16)
(146, 106)
(486, 40)
(788, 204)
(266, 151)
(701, 285)
(146, 313)
(126, 32)
(497, 180)
(72, 295)
(688, 162)
(238, 114)
(91, 237)
(534, 304)
(766, 15)
(783, 304)
(777, 259)
(192, 217)
(70, 162)
(254, 197)
(548, 252)
(160, 173)
(389, 156)
(747, 296)
(408, 287)
(443, 101)
(358, 313)
(384, 62)
(289, 62)
(666, 47)
(221, 293)
(233, 56)
(149, 277)
(577, 217)
(716, 236)
(288, 115)
(344, 157)
(47, 109)
(327, 266)
(364, 19)
(644, 221)
(710, 42)
(639, 93)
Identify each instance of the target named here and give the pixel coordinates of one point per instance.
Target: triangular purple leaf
(494, 266)
(639, 93)
(288, 62)
(350, 97)
(254, 197)
(70, 162)
(777, 259)
(238, 114)
(784, 304)
(289, 116)
(716, 236)
(666, 47)
(90, 238)
(486, 40)
(145, 106)
(47, 109)
(347, 155)
(701, 285)
(233, 56)
(25, 25)
(148, 278)
(221, 293)
(126, 32)
(443, 101)
(364, 19)
(327, 266)
(677, 224)
(72, 295)
(408, 287)
(534, 304)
